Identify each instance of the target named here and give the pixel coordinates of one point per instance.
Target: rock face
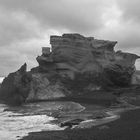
(136, 78)
(74, 65)
(41, 88)
(15, 87)
(73, 54)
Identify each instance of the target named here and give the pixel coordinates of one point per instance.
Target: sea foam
(15, 125)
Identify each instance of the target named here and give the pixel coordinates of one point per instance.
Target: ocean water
(16, 125)
(17, 122)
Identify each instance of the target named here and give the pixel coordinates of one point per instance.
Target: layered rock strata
(74, 65)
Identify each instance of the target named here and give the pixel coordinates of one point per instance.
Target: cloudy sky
(25, 26)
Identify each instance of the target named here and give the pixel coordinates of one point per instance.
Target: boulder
(70, 123)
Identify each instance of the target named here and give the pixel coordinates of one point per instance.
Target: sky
(26, 25)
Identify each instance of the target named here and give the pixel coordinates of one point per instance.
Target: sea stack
(74, 65)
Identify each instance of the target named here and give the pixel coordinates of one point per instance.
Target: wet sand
(125, 128)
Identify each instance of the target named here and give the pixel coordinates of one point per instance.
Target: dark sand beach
(125, 128)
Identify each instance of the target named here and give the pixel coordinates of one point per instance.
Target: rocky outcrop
(73, 54)
(75, 65)
(41, 88)
(15, 87)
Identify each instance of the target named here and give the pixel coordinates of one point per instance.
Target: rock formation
(73, 54)
(73, 66)
(15, 87)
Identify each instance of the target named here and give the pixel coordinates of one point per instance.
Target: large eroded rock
(74, 54)
(76, 65)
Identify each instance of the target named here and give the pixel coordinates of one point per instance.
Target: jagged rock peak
(23, 68)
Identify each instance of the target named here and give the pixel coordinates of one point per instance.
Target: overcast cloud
(25, 26)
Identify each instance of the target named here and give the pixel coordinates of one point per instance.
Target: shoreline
(92, 116)
(115, 115)
(127, 127)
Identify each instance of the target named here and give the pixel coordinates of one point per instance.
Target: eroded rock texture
(73, 54)
(15, 87)
(75, 65)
